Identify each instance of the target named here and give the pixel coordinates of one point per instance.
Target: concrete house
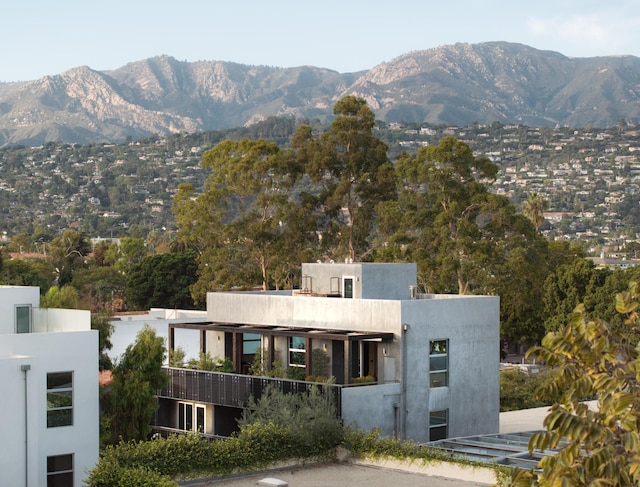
(49, 401)
(418, 366)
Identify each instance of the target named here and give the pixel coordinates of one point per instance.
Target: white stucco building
(430, 363)
(49, 401)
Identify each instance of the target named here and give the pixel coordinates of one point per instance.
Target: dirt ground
(337, 474)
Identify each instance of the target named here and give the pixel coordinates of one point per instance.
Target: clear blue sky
(41, 37)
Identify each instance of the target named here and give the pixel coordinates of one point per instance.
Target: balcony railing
(232, 389)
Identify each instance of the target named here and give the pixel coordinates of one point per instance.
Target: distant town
(589, 176)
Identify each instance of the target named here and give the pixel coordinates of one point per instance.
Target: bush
(519, 390)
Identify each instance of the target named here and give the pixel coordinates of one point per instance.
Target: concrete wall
(370, 280)
(358, 407)
(46, 320)
(47, 352)
(472, 326)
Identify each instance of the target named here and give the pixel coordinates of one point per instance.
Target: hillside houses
(592, 176)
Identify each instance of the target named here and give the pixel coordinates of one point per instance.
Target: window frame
(55, 394)
(301, 353)
(57, 476)
(28, 307)
(189, 415)
(438, 375)
(438, 430)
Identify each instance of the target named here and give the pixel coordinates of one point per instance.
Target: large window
(297, 351)
(59, 399)
(251, 343)
(23, 319)
(438, 424)
(188, 421)
(60, 471)
(438, 363)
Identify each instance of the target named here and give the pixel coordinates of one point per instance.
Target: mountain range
(454, 85)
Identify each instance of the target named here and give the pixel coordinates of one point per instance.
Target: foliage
(319, 362)
(534, 207)
(595, 446)
(68, 253)
(310, 420)
(207, 362)
(354, 174)
(283, 427)
(65, 297)
(520, 390)
(135, 379)
(177, 357)
(99, 287)
(162, 281)
(101, 321)
(27, 272)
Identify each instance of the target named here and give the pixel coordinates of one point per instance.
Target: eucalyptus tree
(246, 224)
(353, 174)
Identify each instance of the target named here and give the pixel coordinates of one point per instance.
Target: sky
(45, 37)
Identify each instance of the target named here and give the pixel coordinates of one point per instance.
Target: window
(438, 363)
(297, 351)
(187, 419)
(251, 343)
(347, 284)
(23, 318)
(59, 399)
(438, 425)
(60, 471)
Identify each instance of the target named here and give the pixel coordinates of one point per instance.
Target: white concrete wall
(44, 353)
(47, 320)
(10, 296)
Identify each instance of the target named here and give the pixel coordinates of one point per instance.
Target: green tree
(28, 272)
(597, 446)
(99, 287)
(65, 297)
(534, 207)
(162, 280)
(68, 253)
(101, 321)
(135, 379)
(246, 223)
(353, 172)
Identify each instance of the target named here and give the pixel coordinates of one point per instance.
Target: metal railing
(232, 389)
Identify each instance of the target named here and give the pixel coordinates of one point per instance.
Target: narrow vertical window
(60, 471)
(347, 283)
(59, 399)
(438, 363)
(438, 421)
(23, 319)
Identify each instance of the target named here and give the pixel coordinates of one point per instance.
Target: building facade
(49, 378)
(416, 366)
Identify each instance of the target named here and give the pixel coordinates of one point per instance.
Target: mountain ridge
(453, 84)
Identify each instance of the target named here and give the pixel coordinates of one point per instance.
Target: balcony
(232, 390)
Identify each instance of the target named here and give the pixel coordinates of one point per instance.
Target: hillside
(453, 85)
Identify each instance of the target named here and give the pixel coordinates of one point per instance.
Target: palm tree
(534, 208)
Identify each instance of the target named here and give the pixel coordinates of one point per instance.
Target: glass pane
(61, 399)
(437, 433)
(60, 380)
(438, 379)
(200, 419)
(298, 343)
(23, 319)
(188, 417)
(348, 288)
(250, 343)
(60, 480)
(438, 346)
(437, 418)
(59, 417)
(59, 463)
(438, 362)
(297, 358)
(181, 406)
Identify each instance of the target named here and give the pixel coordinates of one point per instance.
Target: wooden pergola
(236, 331)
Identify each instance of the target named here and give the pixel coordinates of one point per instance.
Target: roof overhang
(318, 333)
